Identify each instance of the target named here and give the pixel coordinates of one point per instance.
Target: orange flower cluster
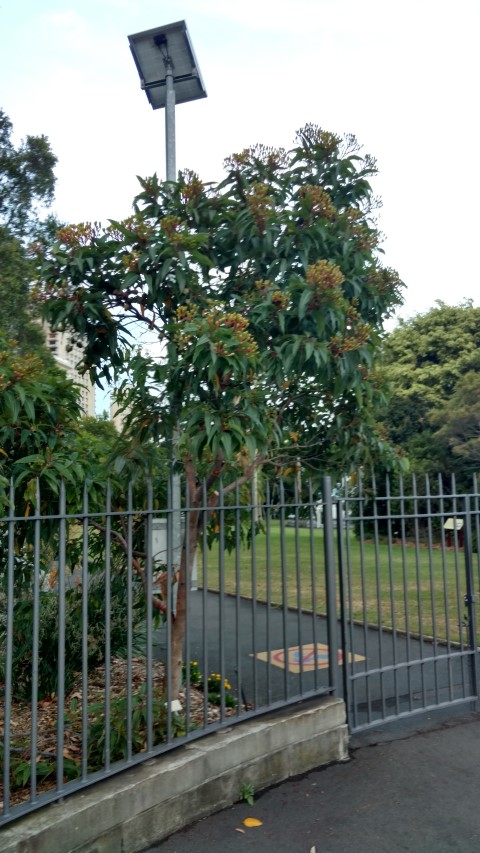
(318, 202)
(260, 205)
(78, 235)
(326, 280)
(356, 334)
(273, 158)
(193, 188)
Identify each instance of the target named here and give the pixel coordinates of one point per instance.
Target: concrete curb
(144, 805)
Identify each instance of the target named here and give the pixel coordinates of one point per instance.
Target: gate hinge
(468, 599)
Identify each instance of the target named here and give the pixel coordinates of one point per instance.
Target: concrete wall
(141, 806)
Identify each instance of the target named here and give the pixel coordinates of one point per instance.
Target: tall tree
(27, 182)
(265, 299)
(426, 359)
(27, 179)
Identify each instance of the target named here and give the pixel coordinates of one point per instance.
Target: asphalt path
(419, 793)
(226, 635)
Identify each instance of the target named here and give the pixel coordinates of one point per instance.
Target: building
(67, 355)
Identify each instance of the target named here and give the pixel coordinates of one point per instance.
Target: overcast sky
(402, 76)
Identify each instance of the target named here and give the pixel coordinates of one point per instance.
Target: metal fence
(283, 589)
(409, 574)
(88, 604)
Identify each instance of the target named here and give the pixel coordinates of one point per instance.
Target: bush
(23, 615)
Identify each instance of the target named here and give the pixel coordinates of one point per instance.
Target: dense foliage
(428, 360)
(263, 301)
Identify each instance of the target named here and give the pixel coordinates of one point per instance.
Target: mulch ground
(47, 710)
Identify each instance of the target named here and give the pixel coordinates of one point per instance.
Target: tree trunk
(184, 578)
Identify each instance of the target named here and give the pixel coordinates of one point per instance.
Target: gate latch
(468, 599)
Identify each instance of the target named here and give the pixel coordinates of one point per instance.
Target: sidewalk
(419, 793)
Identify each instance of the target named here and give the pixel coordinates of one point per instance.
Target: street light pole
(170, 121)
(169, 75)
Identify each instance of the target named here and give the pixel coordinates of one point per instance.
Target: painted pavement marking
(296, 656)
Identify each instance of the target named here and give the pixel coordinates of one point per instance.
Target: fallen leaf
(237, 829)
(252, 821)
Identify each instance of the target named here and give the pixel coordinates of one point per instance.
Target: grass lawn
(407, 588)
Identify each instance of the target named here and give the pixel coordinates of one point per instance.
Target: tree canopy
(27, 179)
(27, 182)
(427, 360)
(263, 299)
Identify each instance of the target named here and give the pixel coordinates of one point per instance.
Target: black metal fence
(282, 589)
(409, 569)
(89, 605)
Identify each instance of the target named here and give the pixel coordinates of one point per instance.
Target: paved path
(430, 681)
(419, 793)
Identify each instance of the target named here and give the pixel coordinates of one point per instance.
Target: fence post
(470, 594)
(329, 551)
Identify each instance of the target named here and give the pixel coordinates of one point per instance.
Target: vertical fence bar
(476, 516)
(189, 562)
(283, 568)
(108, 608)
(85, 591)
(253, 549)
(330, 584)
(129, 696)
(349, 662)
(298, 578)
(419, 586)
(238, 601)
(149, 625)
(389, 514)
(433, 603)
(441, 507)
(470, 596)
(313, 581)
(378, 589)
(459, 595)
(9, 652)
(406, 602)
(347, 658)
(221, 603)
(364, 616)
(205, 597)
(62, 546)
(35, 643)
(268, 556)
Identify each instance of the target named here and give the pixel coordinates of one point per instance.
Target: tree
(458, 423)
(264, 299)
(426, 358)
(27, 179)
(27, 182)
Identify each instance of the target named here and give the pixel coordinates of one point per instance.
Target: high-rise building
(67, 355)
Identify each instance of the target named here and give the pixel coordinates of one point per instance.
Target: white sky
(402, 76)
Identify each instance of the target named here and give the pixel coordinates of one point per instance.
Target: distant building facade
(67, 356)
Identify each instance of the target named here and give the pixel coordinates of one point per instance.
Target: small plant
(196, 677)
(247, 792)
(214, 690)
(214, 685)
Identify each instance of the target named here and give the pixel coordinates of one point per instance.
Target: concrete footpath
(417, 791)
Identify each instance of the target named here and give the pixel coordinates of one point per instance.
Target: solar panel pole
(171, 170)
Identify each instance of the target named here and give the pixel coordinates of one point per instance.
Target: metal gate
(408, 562)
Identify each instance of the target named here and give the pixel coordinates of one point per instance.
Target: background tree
(264, 299)
(458, 423)
(27, 179)
(426, 359)
(27, 183)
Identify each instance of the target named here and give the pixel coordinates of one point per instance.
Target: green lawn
(412, 590)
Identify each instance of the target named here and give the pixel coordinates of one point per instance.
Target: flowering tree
(266, 299)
